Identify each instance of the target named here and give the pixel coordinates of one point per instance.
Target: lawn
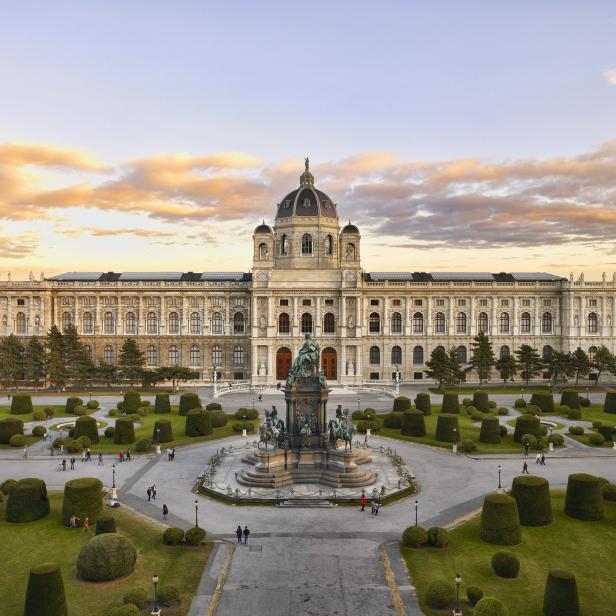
(583, 438)
(595, 412)
(48, 541)
(510, 389)
(58, 409)
(579, 547)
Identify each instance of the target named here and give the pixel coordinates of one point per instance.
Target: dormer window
(286, 204)
(306, 203)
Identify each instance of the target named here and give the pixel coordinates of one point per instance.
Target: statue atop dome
(306, 179)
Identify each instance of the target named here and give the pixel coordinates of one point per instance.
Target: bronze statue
(307, 361)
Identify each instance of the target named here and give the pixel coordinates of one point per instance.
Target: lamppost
(358, 401)
(499, 477)
(114, 492)
(155, 609)
(196, 513)
(157, 440)
(244, 433)
(458, 582)
(587, 393)
(416, 508)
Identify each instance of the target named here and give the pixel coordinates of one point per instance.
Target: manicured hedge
(414, 536)
(9, 427)
(124, 431)
(393, 420)
(544, 400)
(194, 536)
(162, 404)
(21, 404)
(132, 401)
(481, 401)
(105, 524)
(474, 595)
(447, 428)
(86, 426)
(532, 495)
(143, 444)
(583, 499)
(213, 406)
(188, 401)
(413, 423)
(244, 413)
(451, 403)
(219, 418)
(438, 537)
(92, 405)
(27, 501)
(609, 406)
(106, 557)
(500, 523)
(607, 432)
(440, 594)
(401, 403)
(490, 606)
(173, 535)
(71, 404)
(198, 423)
(570, 398)
(526, 424)
(422, 403)
(505, 564)
(83, 498)
(561, 595)
(166, 431)
(45, 593)
(490, 430)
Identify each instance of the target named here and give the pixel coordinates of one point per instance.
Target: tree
(11, 359)
(105, 372)
(34, 365)
(175, 374)
(456, 372)
(604, 361)
(507, 368)
(560, 366)
(580, 363)
(529, 362)
(131, 362)
(56, 365)
(78, 363)
(438, 366)
(482, 357)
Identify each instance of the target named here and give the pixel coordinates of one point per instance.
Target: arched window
(21, 324)
(151, 323)
(195, 323)
(396, 323)
(239, 323)
(263, 253)
(546, 323)
(174, 323)
(546, 353)
(216, 356)
(482, 323)
(375, 323)
(418, 323)
(108, 323)
(66, 320)
(461, 323)
(439, 348)
(329, 323)
(151, 355)
(593, 323)
(396, 355)
(525, 323)
(461, 351)
(217, 323)
(195, 355)
(108, 354)
(418, 355)
(238, 355)
(87, 323)
(439, 323)
(306, 323)
(173, 356)
(375, 355)
(130, 323)
(307, 244)
(350, 252)
(592, 353)
(503, 323)
(329, 245)
(283, 323)
(504, 352)
(284, 245)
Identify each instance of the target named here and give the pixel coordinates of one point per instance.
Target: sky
(458, 136)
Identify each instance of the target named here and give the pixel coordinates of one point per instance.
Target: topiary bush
(213, 406)
(500, 523)
(105, 524)
(27, 501)
(609, 492)
(124, 431)
(561, 596)
(490, 432)
(80, 411)
(21, 404)
(415, 536)
(502, 430)
(162, 404)
(422, 403)
(526, 424)
(173, 535)
(106, 557)
(39, 415)
(584, 402)
(447, 428)
(596, 424)
(143, 411)
(532, 495)
(401, 403)
(570, 398)
(533, 409)
(437, 537)
(7, 486)
(357, 415)
(520, 403)
(136, 596)
(369, 414)
(490, 606)
(109, 431)
(505, 564)
(168, 595)
(71, 404)
(502, 411)
(451, 403)
(251, 414)
(530, 440)
(194, 536)
(607, 432)
(476, 415)
(413, 423)
(198, 422)
(9, 427)
(594, 439)
(86, 426)
(132, 401)
(19, 440)
(128, 609)
(393, 420)
(558, 440)
(162, 431)
(39, 431)
(474, 595)
(481, 401)
(577, 430)
(544, 400)
(363, 426)
(574, 414)
(188, 401)
(82, 497)
(440, 594)
(45, 593)
(92, 404)
(609, 404)
(583, 497)
(467, 401)
(468, 445)
(143, 445)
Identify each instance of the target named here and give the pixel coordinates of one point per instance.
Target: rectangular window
(525, 302)
(284, 302)
(418, 302)
(329, 302)
(306, 302)
(439, 302)
(396, 302)
(504, 302)
(374, 302)
(461, 302)
(547, 302)
(22, 302)
(238, 376)
(374, 376)
(417, 376)
(483, 302)
(592, 302)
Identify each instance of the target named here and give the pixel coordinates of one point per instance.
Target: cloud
(610, 75)
(17, 247)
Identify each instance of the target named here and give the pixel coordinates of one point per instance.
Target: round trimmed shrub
(39, 431)
(21, 404)
(440, 594)
(369, 414)
(49, 412)
(27, 501)
(71, 404)
(609, 405)
(584, 402)
(544, 400)
(251, 414)
(45, 593)
(570, 398)
(467, 401)
(609, 492)
(109, 431)
(86, 426)
(490, 606)
(502, 411)
(526, 424)
(119, 405)
(414, 536)
(594, 439)
(413, 423)
(520, 403)
(357, 415)
(213, 406)
(447, 428)
(188, 401)
(529, 439)
(561, 596)
(194, 536)
(563, 410)
(470, 409)
(105, 558)
(92, 404)
(474, 595)
(80, 410)
(505, 564)
(476, 415)
(532, 495)
(105, 524)
(451, 403)
(39, 415)
(132, 401)
(577, 430)
(162, 431)
(9, 427)
(124, 431)
(162, 404)
(112, 413)
(142, 445)
(596, 424)
(574, 414)
(143, 411)
(422, 403)
(438, 537)
(492, 404)
(82, 497)
(393, 420)
(490, 432)
(402, 403)
(500, 523)
(607, 432)
(583, 498)
(198, 422)
(173, 535)
(19, 440)
(481, 401)
(502, 430)
(363, 426)
(168, 595)
(128, 609)
(136, 596)
(558, 440)
(533, 409)
(468, 446)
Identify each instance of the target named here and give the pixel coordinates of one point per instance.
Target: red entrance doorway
(328, 363)
(283, 363)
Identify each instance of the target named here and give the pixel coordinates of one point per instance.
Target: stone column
(343, 319)
(451, 320)
(359, 326)
(428, 323)
(295, 321)
(514, 317)
(494, 321)
(317, 325)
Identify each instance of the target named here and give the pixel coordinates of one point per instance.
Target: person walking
(372, 508)
(121, 456)
(149, 493)
(153, 491)
(538, 458)
(377, 506)
(128, 455)
(543, 459)
(525, 468)
(260, 398)
(363, 502)
(526, 446)
(86, 525)
(173, 453)
(72, 464)
(72, 521)
(88, 455)
(165, 511)
(168, 454)
(63, 464)
(238, 532)
(100, 459)
(246, 533)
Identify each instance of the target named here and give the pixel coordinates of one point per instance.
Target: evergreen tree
(507, 368)
(174, 374)
(560, 366)
(482, 357)
(56, 361)
(580, 362)
(11, 359)
(131, 362)
(34, 366)
(78, 363)
(529, 362)
(604, 361)
(456, 372)
(438, 367)
(105, 372)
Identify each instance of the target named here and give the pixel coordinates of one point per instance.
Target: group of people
(86, 455)
(72, 522)
(71, 462)
(242, 534)
(151, 492)
(170, 453)
(124, 456)
(376, 505)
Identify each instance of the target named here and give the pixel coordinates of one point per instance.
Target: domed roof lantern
(306, 178)
(263, 228)
(350, 228)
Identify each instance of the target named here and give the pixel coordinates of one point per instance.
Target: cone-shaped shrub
(583, 499)
(401, 403)
(83, 498)
(105, 524)
(163, 431)
(544, 400)
(189, 401)
(132, 401)
(447, 429)
(609, 406)
(106, 557)
(413, 423)
(162, 404)
(72, 404)
(526, 424)
(27, 501)
(481, 401)
(422, 402)
(490, 606)
(45, 593)
(570, 398)
(124, 431)
(532, 494)
(500, 523)
(21, 404)
(86, 426)
(561, 596)
(490, 430)
(8, 427)
(198, 423)
(451, 403)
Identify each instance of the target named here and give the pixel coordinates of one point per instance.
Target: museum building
(306, 277)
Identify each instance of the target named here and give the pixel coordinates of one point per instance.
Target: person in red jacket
(363, 502)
